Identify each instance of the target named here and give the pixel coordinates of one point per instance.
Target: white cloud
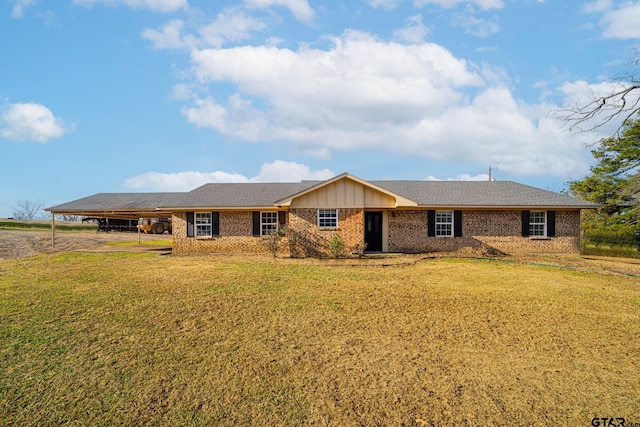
(483, 4)
(473, 25)
(183, 92)
(231, 25)
(358, 82)
(445, 4)
(414, 31)
(19, 6)
(299, 8)
(277, 171)
(618, 21)
(364, 93)
(180, 181)
(31, 122)
(622, 23)
(496, 130)
(237, 118)
(384, 4)
(153, 5)
(597, 6)
(281, 171)
(169, 37)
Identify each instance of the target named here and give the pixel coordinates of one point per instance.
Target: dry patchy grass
(136, 339)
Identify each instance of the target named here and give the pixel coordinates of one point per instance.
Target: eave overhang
(113, 213)
(508, 207)
(220, 208)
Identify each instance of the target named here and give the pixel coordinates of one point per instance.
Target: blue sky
(165, 95)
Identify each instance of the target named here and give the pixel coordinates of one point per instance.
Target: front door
(373, 231)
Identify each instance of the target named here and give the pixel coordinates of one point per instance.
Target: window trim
(335, 215)
(450, 222)
(263, 223)
(214, 222)
(197, 226)
(544, 223)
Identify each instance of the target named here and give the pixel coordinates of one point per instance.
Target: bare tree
(622, 102)
(28, 209)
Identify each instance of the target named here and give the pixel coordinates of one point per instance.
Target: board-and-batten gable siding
(344, 193)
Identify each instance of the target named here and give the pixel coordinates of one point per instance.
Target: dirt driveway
(19, 244)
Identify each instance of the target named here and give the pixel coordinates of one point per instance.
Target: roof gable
(347, 191)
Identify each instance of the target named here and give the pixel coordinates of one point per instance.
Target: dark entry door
(373, 231)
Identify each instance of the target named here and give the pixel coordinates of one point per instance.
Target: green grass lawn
(611, 250)
(155, 242)
(138, 339)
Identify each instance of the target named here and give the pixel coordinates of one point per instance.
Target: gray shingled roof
(495, 194)
(118, 201)
(425, 193)
(239, 194)
(480, 194)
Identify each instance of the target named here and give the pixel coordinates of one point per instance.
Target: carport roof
(117, 204)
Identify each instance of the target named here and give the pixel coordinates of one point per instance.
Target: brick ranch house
(387, 216)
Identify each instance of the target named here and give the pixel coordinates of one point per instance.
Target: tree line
(29, 210)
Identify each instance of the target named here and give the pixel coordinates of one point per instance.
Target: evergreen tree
(614, 181)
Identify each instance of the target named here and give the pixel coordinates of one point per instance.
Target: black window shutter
(256, 223)
(282, 218)
(431, 223)
(525, 223)
(190, 224)
(215, 223)
(457, 223)
(551, 223)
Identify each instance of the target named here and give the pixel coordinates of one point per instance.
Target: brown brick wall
(502, 231)
(482, 230)
(236, 235)
(236, 224)
(487, 231)
(407, 231)
(312, 241)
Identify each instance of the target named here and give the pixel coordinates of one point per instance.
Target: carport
(131, 206)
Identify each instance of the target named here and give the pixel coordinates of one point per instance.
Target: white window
(203, 224)
(444, 223)
(268, 222)
(328, 218)
(538, 223)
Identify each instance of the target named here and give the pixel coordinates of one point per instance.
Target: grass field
(611, 250)
(138, 339)
(45, 225)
